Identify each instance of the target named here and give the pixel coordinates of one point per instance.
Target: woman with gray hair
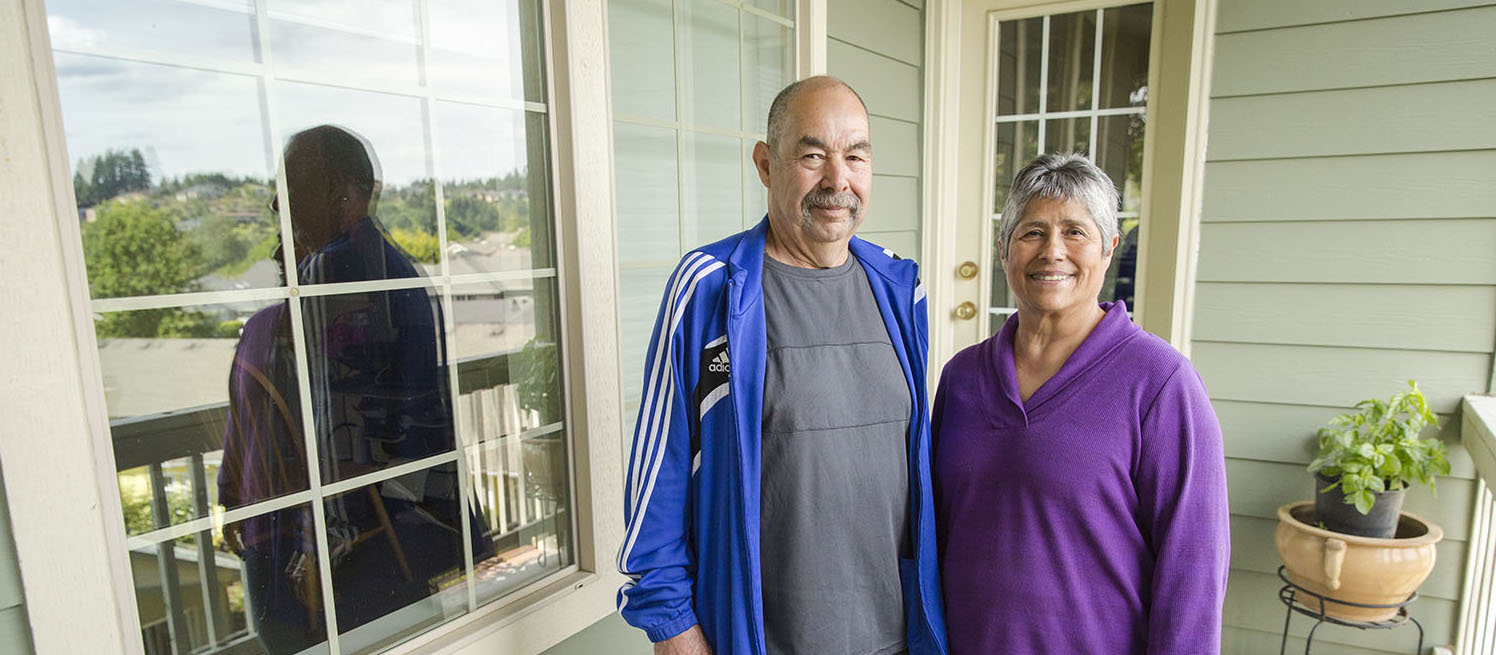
(1080, 488)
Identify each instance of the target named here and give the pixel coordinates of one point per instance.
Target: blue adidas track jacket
(691, 545)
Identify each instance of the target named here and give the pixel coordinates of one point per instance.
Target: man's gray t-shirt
(835, 481)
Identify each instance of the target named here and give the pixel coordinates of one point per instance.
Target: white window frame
(68, 528)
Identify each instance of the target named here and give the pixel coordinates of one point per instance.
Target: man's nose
(835, 175)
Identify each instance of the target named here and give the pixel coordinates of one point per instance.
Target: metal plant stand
(1293, 596)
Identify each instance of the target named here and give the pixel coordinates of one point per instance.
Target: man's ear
(761, 157)
(1112, 251)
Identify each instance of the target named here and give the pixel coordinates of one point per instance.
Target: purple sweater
(1091, 519)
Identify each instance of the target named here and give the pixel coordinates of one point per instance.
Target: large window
(319, 237)
(692, 83)
(1075, 82)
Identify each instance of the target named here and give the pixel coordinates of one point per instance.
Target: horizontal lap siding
(1348, 243)
(877, 46)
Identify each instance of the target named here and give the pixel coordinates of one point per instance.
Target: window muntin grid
(692, 84)
(180, 503)
(1065, 85)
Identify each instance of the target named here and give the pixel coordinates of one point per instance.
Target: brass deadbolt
(967, 270)
(966, 311)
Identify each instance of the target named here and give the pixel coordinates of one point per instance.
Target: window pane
(1126, 33)
(1072, 61)
(486, 50)
(378, 373)
(1067, 135)
(755, 194)
(785, 8)
(222, 30)
(322, 49)
(249, 588)
(709, 64)
(401, 198)
(641, 57)
(1020, 52)
(639, 302)
(396, 552)
(509, 366)
(520, 490)
(714, 170)
(495, 188)
(1119, 139)
(768, 65)
(171, 176)
(648, 198)
(1016, 144)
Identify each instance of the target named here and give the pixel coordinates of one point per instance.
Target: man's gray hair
(779, 110)
(1064, 176)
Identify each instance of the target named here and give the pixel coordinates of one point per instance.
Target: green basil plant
(1379, 449)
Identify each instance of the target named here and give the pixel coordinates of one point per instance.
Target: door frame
(956, 173)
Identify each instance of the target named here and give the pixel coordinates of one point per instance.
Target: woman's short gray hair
(1064, 176)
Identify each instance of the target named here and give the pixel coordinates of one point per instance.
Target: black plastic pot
(1336, 515)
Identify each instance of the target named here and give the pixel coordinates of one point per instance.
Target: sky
(206, 110)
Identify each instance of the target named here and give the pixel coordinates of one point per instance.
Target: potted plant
(1367, 459)
(1376, 555)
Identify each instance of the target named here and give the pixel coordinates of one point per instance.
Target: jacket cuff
(671, 628)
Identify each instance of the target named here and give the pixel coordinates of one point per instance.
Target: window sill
(527, 622)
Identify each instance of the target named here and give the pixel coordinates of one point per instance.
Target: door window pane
(1019, 58)
(1072, 53)
(1126, 34)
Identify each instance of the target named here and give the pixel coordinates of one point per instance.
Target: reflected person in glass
(1080, 489)
(376, 369)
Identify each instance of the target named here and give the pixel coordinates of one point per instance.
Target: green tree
(133, 250)
(114, 173)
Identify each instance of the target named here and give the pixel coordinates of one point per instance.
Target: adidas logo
(719, 363)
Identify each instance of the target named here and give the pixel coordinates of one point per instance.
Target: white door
(1049, 77)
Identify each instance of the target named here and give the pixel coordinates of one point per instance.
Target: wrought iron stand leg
(1283, 647)
(1309, 641)
(1420, 633)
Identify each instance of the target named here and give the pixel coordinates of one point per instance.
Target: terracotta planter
(1354, 569)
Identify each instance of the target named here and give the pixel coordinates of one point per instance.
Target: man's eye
(814, 156)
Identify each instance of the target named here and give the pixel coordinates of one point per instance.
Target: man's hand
(690, 642)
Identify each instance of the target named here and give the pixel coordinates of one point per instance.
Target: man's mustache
(827, 199)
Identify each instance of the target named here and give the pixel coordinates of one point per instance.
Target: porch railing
(1477, 628)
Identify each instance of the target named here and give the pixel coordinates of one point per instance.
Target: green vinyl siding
(1348, 243)
(15, 633)
(877, 46)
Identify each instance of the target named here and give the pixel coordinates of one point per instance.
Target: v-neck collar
(1114, 329)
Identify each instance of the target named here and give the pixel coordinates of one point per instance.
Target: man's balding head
(780, 111)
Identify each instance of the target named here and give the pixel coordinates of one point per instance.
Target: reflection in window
(330, 242)
(1092, 101)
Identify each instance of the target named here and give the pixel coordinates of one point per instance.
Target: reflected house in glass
(1306, 212)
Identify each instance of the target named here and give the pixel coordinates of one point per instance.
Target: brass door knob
(967, 270)
(966, 311)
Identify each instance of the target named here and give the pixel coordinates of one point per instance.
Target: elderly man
(778, 498)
